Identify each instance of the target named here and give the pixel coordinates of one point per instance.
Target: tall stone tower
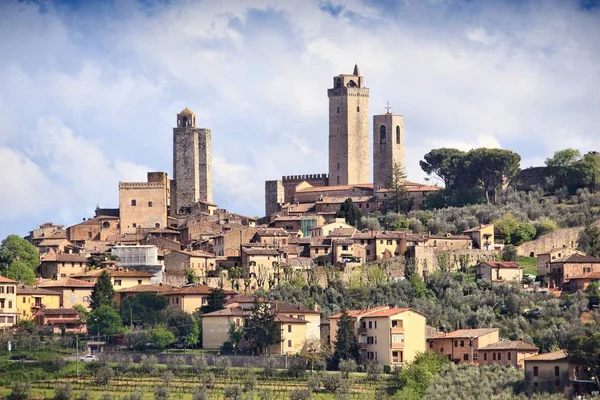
(388, 147)
(348, 130)
(192, 162)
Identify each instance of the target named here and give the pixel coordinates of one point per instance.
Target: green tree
(586, 349)
(96, 261)
(444, 163)
(103, 292)
(593, 294)
(179, 322)
(589, 167)
(416, 375)
(262, 329)
(104, 320)
(589, 241)
(215, 301)
(162, 337)
(509, 253)
(19, 259)
(491, 168)
(235, 334)
(563, 163)
(350, 212)
(346, 345)
(524, 232)
(505, 226)
(545, 225)
(145, 308)
(398, 200)
(370, 223)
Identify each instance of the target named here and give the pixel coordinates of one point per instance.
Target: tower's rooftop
(186, 111)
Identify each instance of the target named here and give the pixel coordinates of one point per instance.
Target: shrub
(269, 366)
(266, 395)
(85, 396)
(161, 393)
(209, 380)
(297, 368)
(148, 364)
(347, 367)
(222, 366)
(62, 391)
(104, 375)
(199, 364)
(58, 364)
(300, 394)
(233, 392)
(374, 369)
(200, 393)
(19, 391)
(175, 363)
(331, 382)
(167, 377)
(136, 395)
(313, 383)
(106, 396)
(249, 382)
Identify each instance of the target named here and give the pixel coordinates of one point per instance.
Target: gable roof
(201, 290)
(554, 356)
(58, 311)
(464, 333)
(589, 275)
(66, 282)
(477, 228)
(30, 290)
(509, 345)
(391, 312)
(115, 273)
(501, 264)
(360, 313)
(152, 288)
(577, 258)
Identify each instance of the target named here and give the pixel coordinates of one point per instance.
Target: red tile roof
(201, 290)
(464, 333)
(510, 345)
(589, 275)
(556, 355)
(360, 313)
(66, 282)
(577, 258)
(390, 312)
(501, 264)
(126, 273)
(4, 279)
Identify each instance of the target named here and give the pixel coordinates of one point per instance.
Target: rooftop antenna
(387, 106)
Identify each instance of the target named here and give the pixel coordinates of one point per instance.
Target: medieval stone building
(388, 147)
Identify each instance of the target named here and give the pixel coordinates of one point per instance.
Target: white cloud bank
(88, 95)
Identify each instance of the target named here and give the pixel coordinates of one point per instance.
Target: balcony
(397, 329)
(399, 345)
(363, 346)
(362, 331)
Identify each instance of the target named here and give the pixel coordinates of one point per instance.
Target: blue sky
(89, 91)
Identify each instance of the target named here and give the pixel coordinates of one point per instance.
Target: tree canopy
(262, 329)
(105, 320)
(346, 345)
(215, 301)
(19, 259)
(145, 308)
(350, 212)
(103, 292)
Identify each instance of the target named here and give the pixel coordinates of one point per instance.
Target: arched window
(357, 108)
(398, 134)
(105, 225)
(351, 83)
(382, 134)
(184, 121)
(133, 203)
(157, 225)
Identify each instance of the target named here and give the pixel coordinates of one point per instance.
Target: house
(257, 261)
(72, 291)
(8, 302)
(189, 298)
(447, 242)
(499, 271)
(120, 278)
(99, 228)
(55, 265)
(228, 244)
(271, 236)
(562, 269)
(325, 230)
(461, 346)
(30, 299)
(581, 282)
(59, 319)
(355, 315)
(392, 337)
(506, 352)
(482, 236)
(544, 259)
(177, 262)
(559, 373)
(295, 223)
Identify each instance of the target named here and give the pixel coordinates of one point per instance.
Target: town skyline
(73, 130)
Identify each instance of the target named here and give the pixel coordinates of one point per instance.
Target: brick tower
(192, 162)
(388, 147)
(348, 130)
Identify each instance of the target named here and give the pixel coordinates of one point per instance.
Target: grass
(529, 264)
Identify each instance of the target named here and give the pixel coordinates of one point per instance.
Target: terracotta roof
(299, 208)
(501, 264)
(342, 199)
(510, 345)
(59, 311)
(191, 290)
(390, 312)
(271, 232)
(577, 258)
(260, 252)
(589, 275)
(115, 273)
(4, 279)
(556, 355)
(240, 298)
(66, 282)
(291, 308)
(477, 228)
(35, 290)
(147, 288)
(228, 312)
(361, 313)
(52, 242)
(63, 257)
(195, 253)
(464, 333)
(343, 232)
(290, 320)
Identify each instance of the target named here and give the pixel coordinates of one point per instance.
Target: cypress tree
(346, 345)
(103, 293)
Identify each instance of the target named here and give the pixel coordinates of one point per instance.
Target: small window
(484, 356)
(338, 110)
(149, 204)
(382, 134)
(499, 356)
(139, 281)
(556, 371)
(509, 356)
(462, 343)
(105, 225)
(375, 324)
(289, 328)
(338, 166)
(134, 225)
(357, 108)
(397, 134)
(494, 356)
(456, 343)
(289, 343)
(535, 371)
(133, 203)
(370, 324)
(475, 357)
(431, 345)
(117, 282)
(157, 225)
(364, 324)
(465, 357)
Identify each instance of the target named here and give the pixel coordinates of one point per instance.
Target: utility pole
(77, 356)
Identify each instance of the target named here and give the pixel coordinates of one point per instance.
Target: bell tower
(388, 146)
(192, 162)
(348, 130)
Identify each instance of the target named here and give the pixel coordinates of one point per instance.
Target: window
(456, 343)
(357, 108)
(149, 204)
(465, 357)
(177, 300)
(389, 242)
(397, 323)
(370, 340)
(10, 304)
(368, 252)
(557, 382)
(24, 300)
(475, 357)
(364, 324)
(89, 235)
(139, 281)
(382, 134)
(134, 225)
(431, 345)
(363, 339)
(370, 324)
(509, 356)
(586, 270)
(494, 356)
(289, 328)
(10, 289)
(344, 247)
(499, 356)
(399, 338)
(289, 343)
(484, 356)
(157, 225)
(398, 134)
(375, 324)
(1, 303)
(117, 282)
(133, 203)
(105, 225)
(462, 343)
(338, 110)
(556, 371)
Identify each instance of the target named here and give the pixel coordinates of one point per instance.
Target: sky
(90, 90)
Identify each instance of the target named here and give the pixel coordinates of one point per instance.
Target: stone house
(295, 224)
(144, 204)
(462, 346)
(60, 318)
(574, 265)
(99, 228)
(544, 259)
(506, 352)
(229, 244)
(499, 271)
(61, 265)
(31, 299)
(581, 282)
(8, 303)
(177, 262)
(72, 291)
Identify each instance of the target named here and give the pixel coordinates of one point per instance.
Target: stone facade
(144, 204)
(388, 147)
(348, 130)
(274, 196)
(192, 162)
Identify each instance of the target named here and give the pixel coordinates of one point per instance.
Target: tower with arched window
(388, 147)
(348, 130)
(192, 162)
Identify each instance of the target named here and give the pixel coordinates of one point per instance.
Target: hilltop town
(492, 268)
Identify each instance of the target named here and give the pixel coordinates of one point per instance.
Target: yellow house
(30, 299)
(392, 337)
(499, 271)
(257, 260)
(8, 302)
(355, 315)
(325, 230)
(72, 291)
(120, 278)
(189, 298)
(482, 236)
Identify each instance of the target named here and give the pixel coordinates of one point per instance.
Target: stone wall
(205, 165)
(430, 259)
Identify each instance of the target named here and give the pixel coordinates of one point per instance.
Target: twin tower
(349, 135)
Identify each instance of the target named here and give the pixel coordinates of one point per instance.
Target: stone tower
(192, 162)
(388, 147)
(348, 130)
